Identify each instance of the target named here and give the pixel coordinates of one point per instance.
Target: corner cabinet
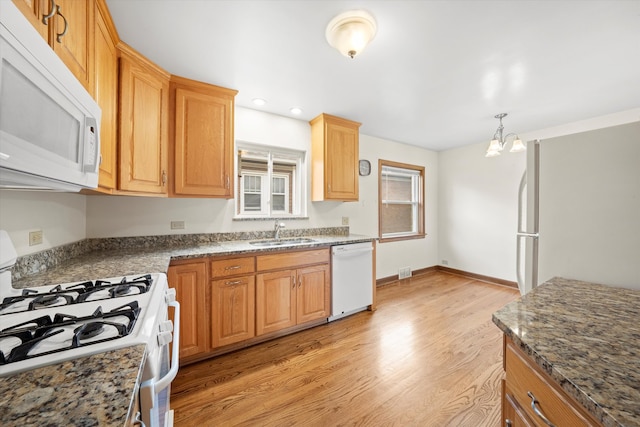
(334, 163)
(144, 102)
(189, 278)
(202, 139)
(526, 381)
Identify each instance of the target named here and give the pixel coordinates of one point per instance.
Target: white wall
(477, 210)
(61, 217)
(477, 204)
(109, 216)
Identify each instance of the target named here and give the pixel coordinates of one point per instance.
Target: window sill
(399, 238)
(268, 218)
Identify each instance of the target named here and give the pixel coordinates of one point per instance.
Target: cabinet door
(106, 93)
(512, 414)
(341, 162)
(72, 38)
(189, 280)
(275, 301)
(232, 310)
(203, 152)
(34, 10)
(143, 128)
(313, 293)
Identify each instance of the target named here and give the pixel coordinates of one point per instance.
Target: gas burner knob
(164, 338)
(170, 295)
(166, 326)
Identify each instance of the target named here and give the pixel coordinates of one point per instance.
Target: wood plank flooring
(429, 356)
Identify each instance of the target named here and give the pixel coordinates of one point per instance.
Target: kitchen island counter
(96, 390)
(587, 338)
(117, 257)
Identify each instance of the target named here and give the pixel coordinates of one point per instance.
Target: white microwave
(49, 124)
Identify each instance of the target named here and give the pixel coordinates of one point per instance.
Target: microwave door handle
(91, 145)
(164, 382)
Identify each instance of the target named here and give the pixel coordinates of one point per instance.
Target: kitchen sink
(282, 242)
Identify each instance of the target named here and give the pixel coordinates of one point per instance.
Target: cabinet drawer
(523, 376)
(232, 267)
(292, 259)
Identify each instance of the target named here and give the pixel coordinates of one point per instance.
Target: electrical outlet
(177, 225)
(404, 272)
(445, 262)
(345, 220)
(35, 237)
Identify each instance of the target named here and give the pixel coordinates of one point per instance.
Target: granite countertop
(587, 338)
(91, 391)
(113, 262)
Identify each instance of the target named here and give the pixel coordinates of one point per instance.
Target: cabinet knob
(537, 411)
(508, 423)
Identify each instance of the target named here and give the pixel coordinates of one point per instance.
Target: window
(270, 181)
(401, 206)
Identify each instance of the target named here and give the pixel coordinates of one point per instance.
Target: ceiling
(434, 76)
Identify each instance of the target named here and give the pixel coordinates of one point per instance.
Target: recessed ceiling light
(296, 110)
(259, 101)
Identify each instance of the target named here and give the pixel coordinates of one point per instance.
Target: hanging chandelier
(499, 141)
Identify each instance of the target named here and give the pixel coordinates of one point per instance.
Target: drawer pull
(232, 267)
(538, 412)
(235, 282)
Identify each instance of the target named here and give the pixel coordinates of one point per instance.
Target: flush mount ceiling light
(499, 141)
(296, 110)
(259, 101)
(351, 31)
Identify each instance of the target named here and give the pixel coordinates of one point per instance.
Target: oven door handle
(164, 382)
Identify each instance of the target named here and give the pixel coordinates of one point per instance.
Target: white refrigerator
(579, 209)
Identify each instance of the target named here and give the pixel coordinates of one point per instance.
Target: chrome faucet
(276, 231)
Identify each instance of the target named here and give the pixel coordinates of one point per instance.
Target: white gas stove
(50, 324)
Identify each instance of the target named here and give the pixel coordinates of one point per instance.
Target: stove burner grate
(34, 331)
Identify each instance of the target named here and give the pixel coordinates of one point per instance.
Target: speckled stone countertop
(91, 391)
(102, 263)
(586, 337)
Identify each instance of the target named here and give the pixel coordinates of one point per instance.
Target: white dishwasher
(351, 279)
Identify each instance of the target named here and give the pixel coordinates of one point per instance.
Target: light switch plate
(177, 225)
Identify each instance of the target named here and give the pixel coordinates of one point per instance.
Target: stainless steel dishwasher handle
(537, 411)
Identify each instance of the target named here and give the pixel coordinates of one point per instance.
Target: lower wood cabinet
(232, 310)
(524, 382)
(232, 302)
(189, 281)
(289, 297)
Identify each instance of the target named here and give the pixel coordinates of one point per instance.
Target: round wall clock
(365, 167)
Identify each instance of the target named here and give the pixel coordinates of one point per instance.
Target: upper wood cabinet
(72, 38)
(106, 94)
(144, 102)
(334, 163)
(202, 139)
(34, 10)
(68, 27)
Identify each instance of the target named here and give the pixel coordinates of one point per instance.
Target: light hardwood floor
(429, 356)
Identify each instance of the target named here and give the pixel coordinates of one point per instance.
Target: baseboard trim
(493, 280)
